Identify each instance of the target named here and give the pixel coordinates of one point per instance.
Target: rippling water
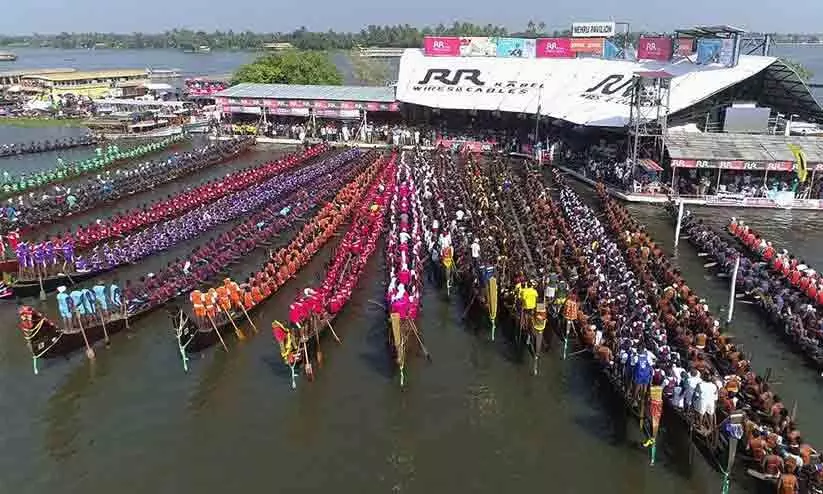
(133, 422)
(474, 418)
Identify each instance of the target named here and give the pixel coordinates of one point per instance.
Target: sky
(123, 16)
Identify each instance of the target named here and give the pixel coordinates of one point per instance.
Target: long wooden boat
(172, 176)
(19, 149)
(812, 353)
(315, 310)
(193, 338)
(122, 160)
(11, 265)
(32, 288)
(47, 340)
(724, 445)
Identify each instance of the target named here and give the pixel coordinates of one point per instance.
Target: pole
(734, 287)
(679, 222)
(717, 185)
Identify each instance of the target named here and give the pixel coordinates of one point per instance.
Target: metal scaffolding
(648, 115)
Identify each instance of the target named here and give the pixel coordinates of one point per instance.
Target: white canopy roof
(157, 86)
(586, 91)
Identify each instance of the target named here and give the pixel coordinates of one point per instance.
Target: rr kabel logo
(446, 77)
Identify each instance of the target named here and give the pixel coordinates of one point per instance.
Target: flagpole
(536, 124)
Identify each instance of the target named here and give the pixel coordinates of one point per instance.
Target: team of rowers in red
(316, 307)
(794, 270)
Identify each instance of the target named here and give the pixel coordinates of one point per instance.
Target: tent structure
(585, 91)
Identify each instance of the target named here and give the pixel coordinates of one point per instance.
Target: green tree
(802, 71)
(290, 67)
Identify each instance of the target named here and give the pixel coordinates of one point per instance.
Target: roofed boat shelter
(305, 100)
(742, 151)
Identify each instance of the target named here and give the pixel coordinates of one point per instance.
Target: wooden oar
(247, 316)
(213, 325)
(420, 340)
(42, 291)
(316, 328)
(304, 341)
(89, 350)
(332, 332)
(702, 254)
(99, 311)
(710, 265)
(237, 331)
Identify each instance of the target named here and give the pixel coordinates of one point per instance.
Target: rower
(196, 298)
(115, 296)
(77, 304)
(63, 306)
(100, 295)
(528, 300)
(788, 483)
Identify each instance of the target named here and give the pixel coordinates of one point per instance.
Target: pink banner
(554, 48)
(685, 46)
(654, 48)
(465, 145)
(441, 46)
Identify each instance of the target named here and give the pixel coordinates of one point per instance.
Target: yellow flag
(799, 162)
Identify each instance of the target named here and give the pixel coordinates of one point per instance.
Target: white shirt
(459, 214)
(475, 250)
(708, 392)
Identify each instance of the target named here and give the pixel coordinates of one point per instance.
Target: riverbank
(38, 122)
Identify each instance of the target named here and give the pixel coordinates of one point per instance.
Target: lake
(473, 420)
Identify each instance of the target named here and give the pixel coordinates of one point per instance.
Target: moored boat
(199, 331)
(405, 257)
(314, 310)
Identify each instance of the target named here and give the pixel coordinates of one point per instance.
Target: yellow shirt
(529, 297)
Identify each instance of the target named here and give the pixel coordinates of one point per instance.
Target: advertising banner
(593, 29)
(726, 56)
(516, 48)
(441, 46)
(593, 46)
(596, 92)
(734, 165)
(554, 48)
(478, 47)
(708, 50)
(610, 50)
(465, 145)
(654, 48)
(685, 47)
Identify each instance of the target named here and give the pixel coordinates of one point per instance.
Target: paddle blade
(240, 334)
(90, 353)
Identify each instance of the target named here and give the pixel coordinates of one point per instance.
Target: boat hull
(52, 341)
(9, 266)
(164, 132)
(31, 288)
